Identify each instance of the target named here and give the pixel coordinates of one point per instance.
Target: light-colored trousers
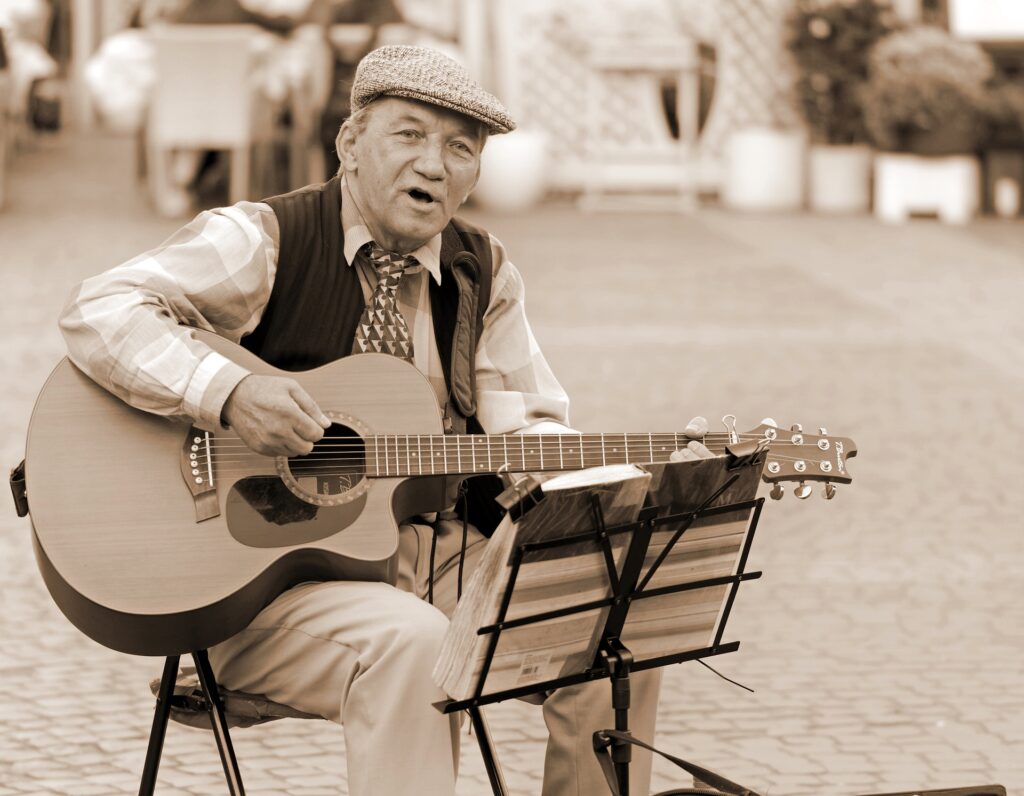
(361, 654)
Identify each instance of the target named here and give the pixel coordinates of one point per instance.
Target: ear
(345, 146)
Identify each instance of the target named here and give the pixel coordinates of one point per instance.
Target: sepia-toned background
(803, 210)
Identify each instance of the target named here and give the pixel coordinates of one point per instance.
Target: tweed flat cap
(428, 76)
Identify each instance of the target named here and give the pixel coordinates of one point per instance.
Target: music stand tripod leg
(156, 735)
(483, 739)
(619, 662)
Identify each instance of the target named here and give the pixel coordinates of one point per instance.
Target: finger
(697, 427)
(306, 429)
(683, 455)
(699, 451)
(309, 406)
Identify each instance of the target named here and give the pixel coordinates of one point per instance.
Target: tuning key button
(829, 492)
(778, 490)
(823, 431)
(803, 491)
(769, 422)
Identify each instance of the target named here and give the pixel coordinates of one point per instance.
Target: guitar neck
(401, 455)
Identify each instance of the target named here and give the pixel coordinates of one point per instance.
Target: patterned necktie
(382, 328)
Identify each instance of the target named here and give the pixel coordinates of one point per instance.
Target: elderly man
(372, 260)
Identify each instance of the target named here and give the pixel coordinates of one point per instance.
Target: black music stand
(726, 487)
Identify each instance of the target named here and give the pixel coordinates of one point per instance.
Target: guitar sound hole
(336, 464)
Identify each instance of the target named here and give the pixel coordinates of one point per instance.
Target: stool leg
(156, 735)
(483, 739)
(218, 722)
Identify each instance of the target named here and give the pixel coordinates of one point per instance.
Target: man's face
(410, 169)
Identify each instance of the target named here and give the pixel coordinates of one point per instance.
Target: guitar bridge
(197, 470)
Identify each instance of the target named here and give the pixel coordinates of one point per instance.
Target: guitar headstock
(796, 455)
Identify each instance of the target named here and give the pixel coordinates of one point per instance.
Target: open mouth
(421, 196)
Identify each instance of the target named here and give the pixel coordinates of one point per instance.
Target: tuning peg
(823, 431)
(769, 422)
(803, 491)
(796, 427)
(829, 491)
(778, 490)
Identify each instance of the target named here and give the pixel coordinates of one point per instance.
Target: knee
(418, 631)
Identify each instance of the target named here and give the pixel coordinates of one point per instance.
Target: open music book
(575, 574)
(547, 580)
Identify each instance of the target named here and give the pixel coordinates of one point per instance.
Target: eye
(462, 148)
(408, 135)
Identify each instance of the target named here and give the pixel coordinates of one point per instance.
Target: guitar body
(116, 528)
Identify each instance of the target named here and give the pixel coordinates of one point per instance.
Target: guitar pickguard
(262, 512)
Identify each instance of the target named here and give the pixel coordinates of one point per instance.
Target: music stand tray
(687, 550)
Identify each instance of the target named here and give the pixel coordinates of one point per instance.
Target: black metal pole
(622, 753)
(218, 722)
(483, 739)
(156, 735)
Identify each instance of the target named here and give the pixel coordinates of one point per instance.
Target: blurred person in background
(297, 279)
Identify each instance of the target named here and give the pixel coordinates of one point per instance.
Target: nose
(430, 161)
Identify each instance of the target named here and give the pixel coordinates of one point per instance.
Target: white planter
(948, 187)
(513, 171)
(839, 179)
(763, 169)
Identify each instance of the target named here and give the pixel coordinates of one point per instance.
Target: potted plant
(830, 41)
(927, 105)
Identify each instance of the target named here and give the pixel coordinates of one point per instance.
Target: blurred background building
(904, 107)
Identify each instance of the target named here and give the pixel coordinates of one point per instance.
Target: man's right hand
(274, 416)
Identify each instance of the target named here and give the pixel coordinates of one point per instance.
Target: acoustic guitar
(157, 538)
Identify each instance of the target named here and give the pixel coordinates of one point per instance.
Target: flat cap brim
(429, 76)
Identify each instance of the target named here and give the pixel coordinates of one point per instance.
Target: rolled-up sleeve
(516, 389)
(129, 328)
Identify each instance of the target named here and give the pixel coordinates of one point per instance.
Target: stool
(192, 697)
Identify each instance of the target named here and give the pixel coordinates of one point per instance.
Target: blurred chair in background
(205, 98)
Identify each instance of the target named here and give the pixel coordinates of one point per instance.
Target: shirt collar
(357, 235)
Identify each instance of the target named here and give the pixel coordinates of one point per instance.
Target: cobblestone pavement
(884, 641)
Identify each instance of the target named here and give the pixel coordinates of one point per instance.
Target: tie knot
(389, 264)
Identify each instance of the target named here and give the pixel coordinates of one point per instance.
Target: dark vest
(317, 300)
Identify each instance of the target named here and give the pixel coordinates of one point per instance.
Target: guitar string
(359, 464)
(548, 441)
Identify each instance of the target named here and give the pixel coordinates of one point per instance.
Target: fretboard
(400, 455)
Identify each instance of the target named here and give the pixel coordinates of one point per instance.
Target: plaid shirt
(124, 327)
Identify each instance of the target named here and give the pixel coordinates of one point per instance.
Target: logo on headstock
(839, 456)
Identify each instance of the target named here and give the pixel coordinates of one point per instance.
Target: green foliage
(830, 41)
(928, 93)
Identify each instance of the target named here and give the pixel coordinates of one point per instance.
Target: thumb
(309, 406)
(697, 427)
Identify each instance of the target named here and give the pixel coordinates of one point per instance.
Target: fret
(615, 449)
(444, 447)
(625, 445)
(385, 438)
(472, 453)
(553, 453)
(604, 455)
(376, 464)
(561, 456)
(490, 465)
(650, 444)
(419, 451)
(398, 453)
(522, 447)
